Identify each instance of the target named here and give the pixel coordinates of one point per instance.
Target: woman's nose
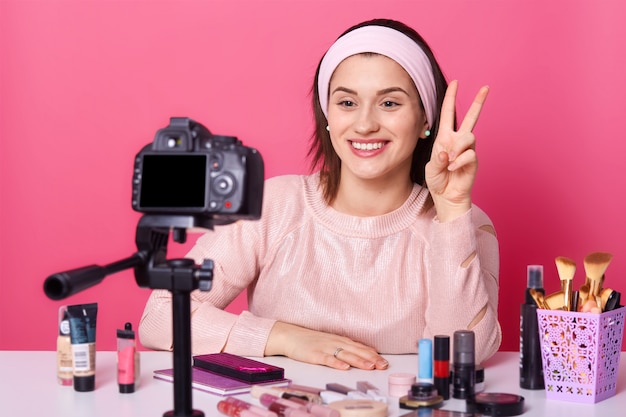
(366, 121)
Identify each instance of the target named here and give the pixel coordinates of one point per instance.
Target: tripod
(153, 270)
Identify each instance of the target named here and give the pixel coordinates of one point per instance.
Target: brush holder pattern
(580, 353)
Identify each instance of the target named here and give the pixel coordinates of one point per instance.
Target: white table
(29, 387)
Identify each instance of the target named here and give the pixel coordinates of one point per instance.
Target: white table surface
(29, 387)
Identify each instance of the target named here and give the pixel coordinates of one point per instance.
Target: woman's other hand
(321, 348)
(451, 171)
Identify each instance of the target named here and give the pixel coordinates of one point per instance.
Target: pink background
(84, 85)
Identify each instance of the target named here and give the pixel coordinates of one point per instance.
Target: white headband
(385, 41)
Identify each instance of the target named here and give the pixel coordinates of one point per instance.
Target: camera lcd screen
(173, 181)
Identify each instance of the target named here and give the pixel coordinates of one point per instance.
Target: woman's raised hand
(451, 171)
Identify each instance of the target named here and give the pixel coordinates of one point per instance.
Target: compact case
(238, 367)
(496, 404)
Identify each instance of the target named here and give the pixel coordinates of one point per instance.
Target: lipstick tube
(442, 365)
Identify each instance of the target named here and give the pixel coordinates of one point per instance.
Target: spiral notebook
(213, 383)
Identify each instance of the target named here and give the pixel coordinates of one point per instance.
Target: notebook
(217, 384)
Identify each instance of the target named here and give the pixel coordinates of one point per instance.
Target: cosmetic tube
(464, 364)
(232, 406)
(127, 360)
(283, 410)
(347, 391)
(83, 336)
(285, 392)
(232, 409)
(317, 410)
(425, 359)
(329, 396)
(305, 388)
(65, 370)
(442, 365)
(268, 399)
(371, 390)
(530, 365)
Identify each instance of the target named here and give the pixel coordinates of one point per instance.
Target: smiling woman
(379, 247)
(375, 120)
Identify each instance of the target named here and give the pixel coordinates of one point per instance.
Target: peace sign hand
(451, 171)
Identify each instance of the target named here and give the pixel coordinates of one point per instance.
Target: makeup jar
(400, 384)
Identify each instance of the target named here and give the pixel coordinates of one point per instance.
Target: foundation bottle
(65, 369)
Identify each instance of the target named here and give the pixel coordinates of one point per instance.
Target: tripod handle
(63, 284)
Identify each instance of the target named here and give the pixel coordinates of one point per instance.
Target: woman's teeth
(367, 146)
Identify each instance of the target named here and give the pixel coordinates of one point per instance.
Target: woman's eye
(389, 103)
(346, 103)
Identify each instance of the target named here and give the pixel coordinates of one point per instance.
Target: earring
(427, 133)
(327, 128)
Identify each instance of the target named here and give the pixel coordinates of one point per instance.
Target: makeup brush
(583, 295)
(566, 269)
(595, 266)
(554, 301)
(575, 300)
(539, 299)
(605, 294)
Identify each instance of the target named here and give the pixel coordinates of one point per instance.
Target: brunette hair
(321, 152)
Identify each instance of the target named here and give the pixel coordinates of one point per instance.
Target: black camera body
(188, 171)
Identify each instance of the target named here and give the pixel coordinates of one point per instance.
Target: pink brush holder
(580, 353)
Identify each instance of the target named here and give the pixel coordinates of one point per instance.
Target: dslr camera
(189, 171)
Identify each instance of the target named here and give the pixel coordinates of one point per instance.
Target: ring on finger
(337, 352)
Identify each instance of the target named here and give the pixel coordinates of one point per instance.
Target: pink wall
(84, 85)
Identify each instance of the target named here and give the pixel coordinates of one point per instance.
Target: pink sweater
(385, 281)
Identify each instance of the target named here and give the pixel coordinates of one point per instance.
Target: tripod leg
(181, 315)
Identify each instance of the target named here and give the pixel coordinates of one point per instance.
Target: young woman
(378, 247)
